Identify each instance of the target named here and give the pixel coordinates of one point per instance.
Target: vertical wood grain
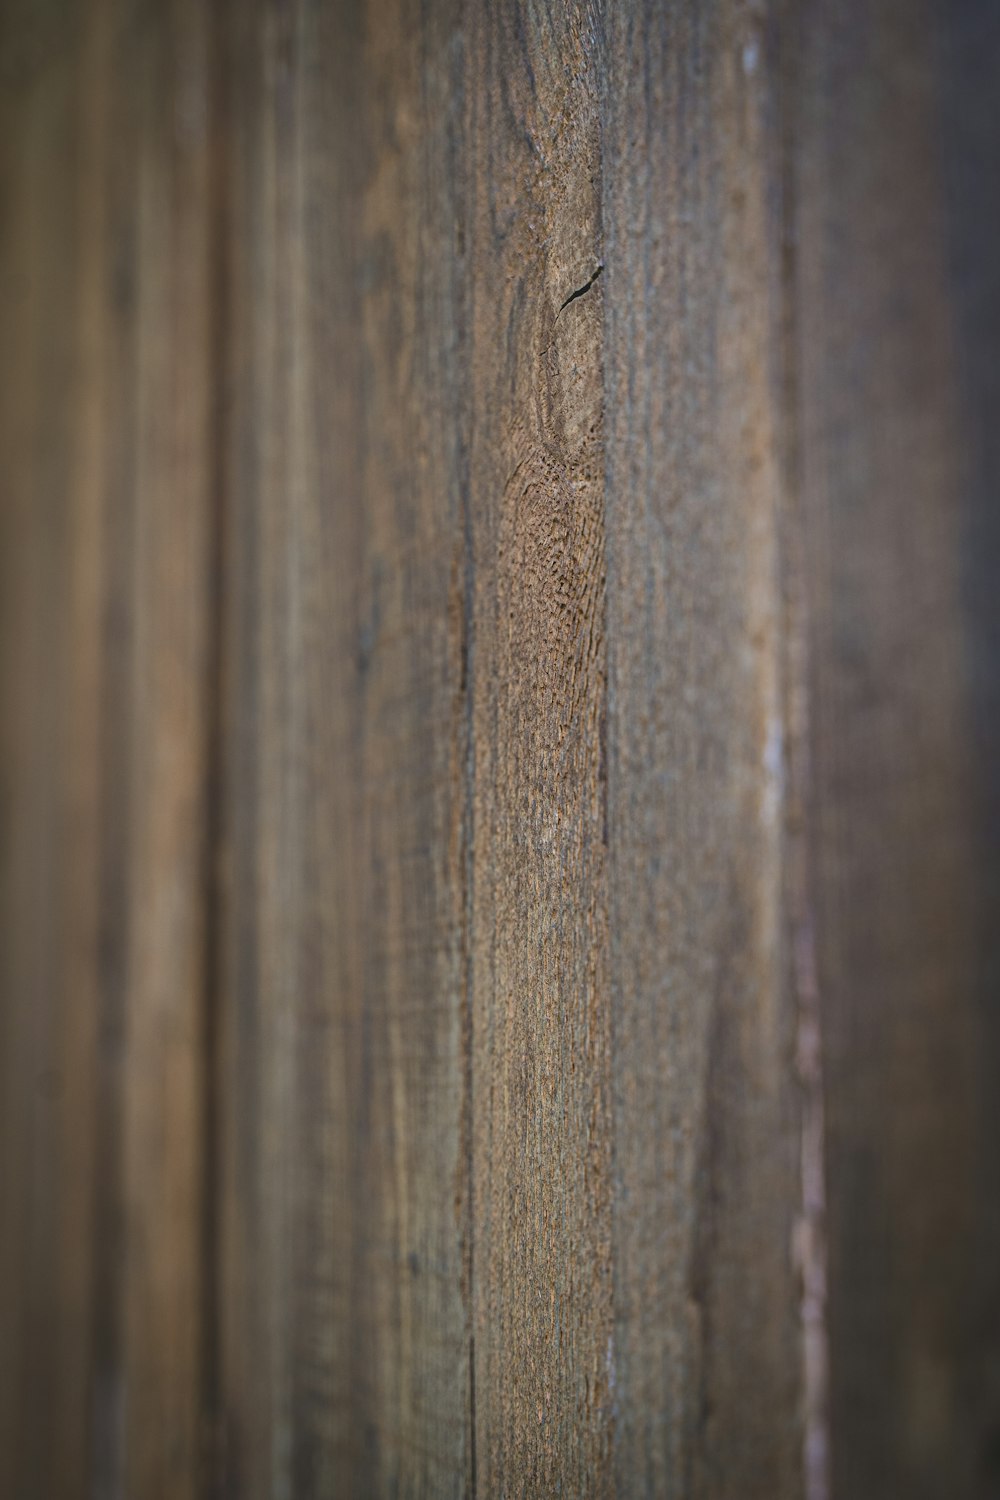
(344, 1071)
(705, 1115)
(540, 1009)
(410, 643)
(263, 817)
(893, 484)
(103, 1009)
(498, 701)
(163, 1091)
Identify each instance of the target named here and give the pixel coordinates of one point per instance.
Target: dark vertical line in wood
(107, 1389)
(216, 831)
(472, 1415)
(245, 1352)
(468, 913)
(109, 1213)
(468, 669)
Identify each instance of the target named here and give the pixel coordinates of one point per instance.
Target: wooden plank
(541, 1174)
(707, 1364)
(115, 380)
(346, 1364)
(49, 639)
(169, 698)
(109, 531)
(894, 155)
(411, 624)
(263, 825)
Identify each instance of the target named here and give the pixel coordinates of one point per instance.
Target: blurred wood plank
(894, 155)
(708, 1369)
(109, 645)
(50, 573)
(170, 694)
(346, 1366)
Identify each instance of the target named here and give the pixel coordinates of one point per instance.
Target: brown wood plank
(105, 991)
(49, 639)
(256, 1020)
(541, 1174)
(707, 1363)
(499, 686)
(410, 624)
(173, 538)
(346, 1366)
(116, 381)
(895, 152)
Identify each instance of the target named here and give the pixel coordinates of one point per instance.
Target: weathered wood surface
(499, 661)
(706, 1139)
(107, 643)
(896, 163)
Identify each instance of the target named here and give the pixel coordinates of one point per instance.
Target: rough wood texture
(499, 686)
(541, 1170)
